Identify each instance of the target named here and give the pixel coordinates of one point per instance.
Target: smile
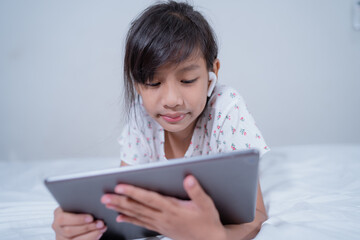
(173, 118)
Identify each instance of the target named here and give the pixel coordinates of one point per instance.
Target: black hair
(164, 33)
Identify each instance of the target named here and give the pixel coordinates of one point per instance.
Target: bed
(310, 192)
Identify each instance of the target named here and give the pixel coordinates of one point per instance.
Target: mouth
(174, 117)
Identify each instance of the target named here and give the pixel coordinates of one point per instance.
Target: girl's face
(177, 95)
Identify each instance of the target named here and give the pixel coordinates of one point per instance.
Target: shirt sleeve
(237, 129)
(133, 150)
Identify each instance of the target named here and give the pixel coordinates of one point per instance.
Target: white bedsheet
(310, 192)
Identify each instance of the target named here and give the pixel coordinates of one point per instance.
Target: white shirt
(224, 126)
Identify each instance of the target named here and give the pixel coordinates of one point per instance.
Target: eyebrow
(189, 68)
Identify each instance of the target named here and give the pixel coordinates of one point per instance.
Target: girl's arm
(178, 219)
(76, 226)
(249, 230)
(246, 230)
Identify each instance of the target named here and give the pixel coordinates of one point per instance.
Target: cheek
(149, 107)
(148, 103)
(198, 99)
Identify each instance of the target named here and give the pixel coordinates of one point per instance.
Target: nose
(171, 95)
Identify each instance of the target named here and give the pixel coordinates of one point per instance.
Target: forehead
(193, 62)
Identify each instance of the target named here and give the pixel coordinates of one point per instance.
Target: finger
(59, 237)
(146, 197)
(125, 218)
(62, 218)
(93, 235)
(196, 192)
(129, 207)
(73, 231)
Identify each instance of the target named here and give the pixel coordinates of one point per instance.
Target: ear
(216, 66)
(213, 76)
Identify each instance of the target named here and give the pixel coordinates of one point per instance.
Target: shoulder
(139, 137)
(139, 121)
(225, 98)
(235, 127)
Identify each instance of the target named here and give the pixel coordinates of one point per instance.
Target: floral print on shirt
(225, 125)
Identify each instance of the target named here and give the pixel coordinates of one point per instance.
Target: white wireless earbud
(213, 79)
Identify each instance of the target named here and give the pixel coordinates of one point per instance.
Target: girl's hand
(76, 226)
(177, 219)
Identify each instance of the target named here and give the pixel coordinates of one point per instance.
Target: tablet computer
(230, 179)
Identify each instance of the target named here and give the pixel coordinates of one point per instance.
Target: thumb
(195, 191)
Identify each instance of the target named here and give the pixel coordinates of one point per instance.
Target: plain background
(296, 62)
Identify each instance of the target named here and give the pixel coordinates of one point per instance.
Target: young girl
(175, 110)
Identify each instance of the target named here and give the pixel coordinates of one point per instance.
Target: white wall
(296, 62)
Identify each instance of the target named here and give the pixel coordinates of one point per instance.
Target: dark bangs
(165, 33)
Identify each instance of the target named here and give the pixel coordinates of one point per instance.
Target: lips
(173, 117)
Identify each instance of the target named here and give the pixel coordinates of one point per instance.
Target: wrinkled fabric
(310, 192)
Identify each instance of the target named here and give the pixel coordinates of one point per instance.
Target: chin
(173, 128)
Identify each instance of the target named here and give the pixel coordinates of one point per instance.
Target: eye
(189, 81)
(152, 84)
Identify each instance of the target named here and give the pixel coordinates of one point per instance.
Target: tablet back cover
(229, 178)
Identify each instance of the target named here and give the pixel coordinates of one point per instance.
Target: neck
(177, 143)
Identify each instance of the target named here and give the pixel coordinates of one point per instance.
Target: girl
(174, 111)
